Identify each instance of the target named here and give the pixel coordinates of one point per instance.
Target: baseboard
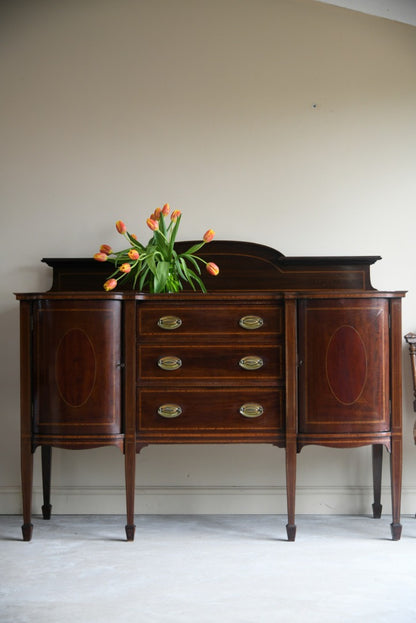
(207, 500)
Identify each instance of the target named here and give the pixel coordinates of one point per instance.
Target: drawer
(222, 411)
(208, 363)
(241, 320)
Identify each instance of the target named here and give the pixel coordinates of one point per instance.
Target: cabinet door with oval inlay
(343, 366)
(76, 348)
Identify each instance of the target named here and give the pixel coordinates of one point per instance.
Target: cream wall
(286, 122)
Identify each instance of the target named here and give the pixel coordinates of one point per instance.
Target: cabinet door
(76, 355)
(344, 366)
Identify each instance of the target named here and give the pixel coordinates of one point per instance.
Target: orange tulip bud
(208, 236)
(133, 254)
(105, 248)
(125, 268)
(166, 209)
(175, 215)
(154, 225)
(212, 268)
(110, 284)
(121, 228)
(101, 257)
(156, 214)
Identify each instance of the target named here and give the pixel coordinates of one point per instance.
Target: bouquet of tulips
(157, 266)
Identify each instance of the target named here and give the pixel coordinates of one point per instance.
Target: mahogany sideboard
(288, 351)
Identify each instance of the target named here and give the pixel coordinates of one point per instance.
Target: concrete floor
(206, 569)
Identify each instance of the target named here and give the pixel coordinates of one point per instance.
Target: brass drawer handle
(251, 362)
(169, 363)
(251, 410)
(251, 322)
(169, 322)
(169, 411)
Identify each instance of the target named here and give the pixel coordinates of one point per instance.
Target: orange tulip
(125, 268)
(110, 284)
(166, 209)
(133, 254)
(156, 214)
(101, 257)
(105, 248)
(154, 225)
(212, 268)
(208, 236)
(121, 228)
(175, 215)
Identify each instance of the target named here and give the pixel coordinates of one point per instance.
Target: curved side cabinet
(77, 367)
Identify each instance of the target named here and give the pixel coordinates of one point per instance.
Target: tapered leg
(26, 459)
(377, 452)
(130, 472)
(291, 490)
(291, 371)
(46, 481)
(396, 486)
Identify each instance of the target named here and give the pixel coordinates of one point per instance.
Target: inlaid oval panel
(346, 364)
(75, 367)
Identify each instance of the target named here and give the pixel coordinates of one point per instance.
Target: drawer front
(212, 411)
(230, 320)
(205, 363)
